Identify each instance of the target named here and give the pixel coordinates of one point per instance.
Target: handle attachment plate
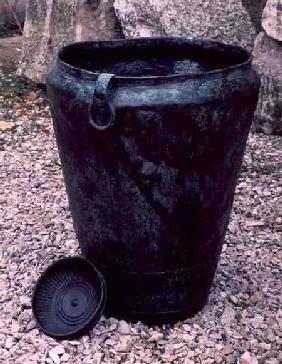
(102, 112)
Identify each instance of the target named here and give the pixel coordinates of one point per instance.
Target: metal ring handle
(102, 111)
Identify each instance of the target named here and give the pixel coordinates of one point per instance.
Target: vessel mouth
(152, 58)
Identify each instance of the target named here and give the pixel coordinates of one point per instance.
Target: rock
(55, 358)
(59, 350)
(217, 19)
(155, 336)
(228, 349)
(111, 341)
(255, 9)
(124, 344)
(268, 59)
(178, 346)
(113, 321)
(232, 227)
(247, 358)
(228, 316)
(97, 358)
(6, 125)
(279, 318)
(123, 328)
(56, 352)
(7, 19)
(257, 321)
(169, 358)
(9, 343)
(271, 337)
(15, 327)
(75, 343)
(65, 357)
(25, 302)
(189, 361)
(50, 24)
(30, 326)
(272, 19)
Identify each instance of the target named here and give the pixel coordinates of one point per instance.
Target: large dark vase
(151, 135)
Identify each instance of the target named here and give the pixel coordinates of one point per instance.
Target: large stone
(272, 19)
(255, 9)
(223, 20)
(268, 58)
(53, 23)
(18, 7)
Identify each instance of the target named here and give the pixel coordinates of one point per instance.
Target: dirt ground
(10, 51)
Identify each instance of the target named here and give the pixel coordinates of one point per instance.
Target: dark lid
(69, 297)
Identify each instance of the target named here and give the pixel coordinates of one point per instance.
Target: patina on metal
(151, 133)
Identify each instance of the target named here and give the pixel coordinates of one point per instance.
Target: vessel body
(151, 192)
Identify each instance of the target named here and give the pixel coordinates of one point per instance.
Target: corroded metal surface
(151, 194)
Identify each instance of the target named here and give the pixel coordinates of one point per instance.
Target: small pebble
(155, 336)
(25, 301)
(9, 343)
(123, 328)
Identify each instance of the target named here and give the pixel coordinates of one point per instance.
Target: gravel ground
(242, 323)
